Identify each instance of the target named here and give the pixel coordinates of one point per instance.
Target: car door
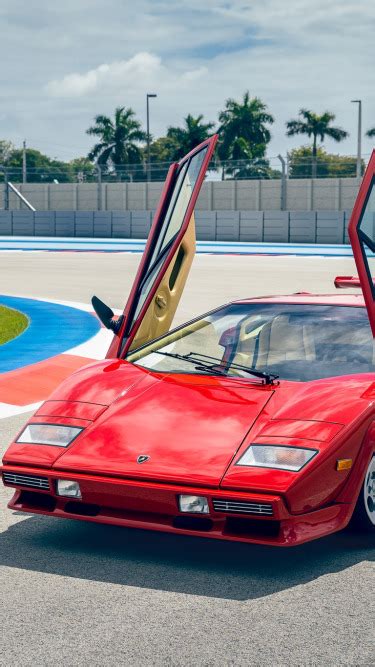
(168, 255)
(362, 238)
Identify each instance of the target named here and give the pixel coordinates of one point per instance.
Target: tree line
(244, 134)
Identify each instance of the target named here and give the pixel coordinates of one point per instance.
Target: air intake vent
(242, 507)
(31, 481)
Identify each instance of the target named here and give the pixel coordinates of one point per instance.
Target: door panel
(159, 315)
(362, 238)
(168, 255)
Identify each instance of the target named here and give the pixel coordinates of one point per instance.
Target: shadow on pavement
(181, 564)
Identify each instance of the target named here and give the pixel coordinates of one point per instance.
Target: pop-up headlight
(276, 456)
(49, 434)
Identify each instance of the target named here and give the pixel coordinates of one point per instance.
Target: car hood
(193, 428)
(190, 427)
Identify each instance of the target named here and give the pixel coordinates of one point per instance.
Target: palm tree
(188, 137)
(371, 133)
(244, 162)
(118, 140)
(243, 128)
(315, 126)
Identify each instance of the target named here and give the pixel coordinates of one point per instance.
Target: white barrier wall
(330, 194)
(272, 226)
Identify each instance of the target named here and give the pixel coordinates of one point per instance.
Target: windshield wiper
(199, 365)
(218, 367)
(263, 375)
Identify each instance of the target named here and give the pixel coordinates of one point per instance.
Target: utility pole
(283, 183)
(359, 139)
(24, 166)
(99, 185)
(148, 134)
(6, 191)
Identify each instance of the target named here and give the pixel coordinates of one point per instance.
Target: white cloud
(194, 55)
(141, 70)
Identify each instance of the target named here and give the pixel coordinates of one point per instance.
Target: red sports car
(254, 422)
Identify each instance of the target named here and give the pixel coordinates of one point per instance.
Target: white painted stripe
(87, 307)
(95, 348)
(7, 410)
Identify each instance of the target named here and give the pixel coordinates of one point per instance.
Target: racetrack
(77, 594)
(214, 279)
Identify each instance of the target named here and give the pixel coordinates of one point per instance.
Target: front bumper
(154, 506)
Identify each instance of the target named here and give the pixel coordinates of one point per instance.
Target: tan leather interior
(160, 313)
(297, 342)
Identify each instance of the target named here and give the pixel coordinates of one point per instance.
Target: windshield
(295, 342)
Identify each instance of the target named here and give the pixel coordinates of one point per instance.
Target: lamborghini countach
(254, 422)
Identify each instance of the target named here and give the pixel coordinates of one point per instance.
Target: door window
(179, 203)
(366, 234)
(362, 238)
(172, 224)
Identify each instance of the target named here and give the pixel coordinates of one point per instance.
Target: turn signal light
(344, 464)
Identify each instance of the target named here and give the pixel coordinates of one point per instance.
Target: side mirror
(106, 315)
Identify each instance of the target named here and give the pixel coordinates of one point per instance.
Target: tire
(364, 514)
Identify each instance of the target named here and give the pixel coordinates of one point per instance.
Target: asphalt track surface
(79, 594)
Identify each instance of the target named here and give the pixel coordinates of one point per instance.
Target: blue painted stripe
(110, 241)
(53, 329)
(203, 247)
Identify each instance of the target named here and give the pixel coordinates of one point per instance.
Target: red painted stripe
(34, 383)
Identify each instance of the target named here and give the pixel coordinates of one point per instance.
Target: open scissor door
(168, 255)
(362, 238)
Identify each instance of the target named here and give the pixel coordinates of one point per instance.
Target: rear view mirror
(229, 337)
(106, 315)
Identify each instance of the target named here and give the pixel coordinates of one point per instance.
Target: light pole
(148, 132)
(24, 167)
(359, 151)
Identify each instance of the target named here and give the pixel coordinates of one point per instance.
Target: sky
(63, 63)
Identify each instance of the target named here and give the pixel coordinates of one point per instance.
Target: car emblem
(142, 458)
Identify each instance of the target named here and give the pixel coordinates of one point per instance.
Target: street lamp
(148, 132)
(359, 156)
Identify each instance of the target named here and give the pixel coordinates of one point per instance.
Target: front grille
(242, 507)
(26, 480)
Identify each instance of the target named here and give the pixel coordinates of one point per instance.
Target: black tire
(363, 519)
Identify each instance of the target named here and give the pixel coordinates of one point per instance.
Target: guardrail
(10, 186)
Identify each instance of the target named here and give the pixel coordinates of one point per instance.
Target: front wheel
(364, 513)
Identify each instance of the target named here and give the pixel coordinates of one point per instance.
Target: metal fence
(277, 167)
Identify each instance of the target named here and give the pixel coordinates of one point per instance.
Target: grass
(12, 324)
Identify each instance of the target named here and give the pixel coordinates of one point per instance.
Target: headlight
(276, 456)
(49, 434)
(196, 504)
(68, 488)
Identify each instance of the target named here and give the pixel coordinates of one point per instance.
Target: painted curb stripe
(203, 247)
(35, 382)
(53, 329)
(25, 388)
